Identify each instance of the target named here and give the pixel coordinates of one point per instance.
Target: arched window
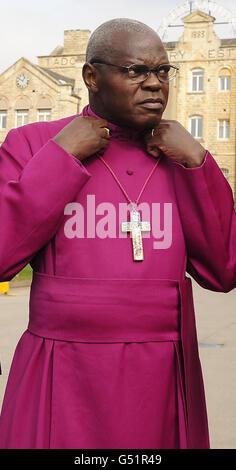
(196, 126)
(197, 80)
(44, 106)
(223, 129)
(224, 81)
(22, 111)
(44, 115)
(22, 117)
(23, 103)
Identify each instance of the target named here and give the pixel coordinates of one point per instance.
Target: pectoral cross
(136, 227)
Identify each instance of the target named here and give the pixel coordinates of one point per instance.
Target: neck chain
(135, 226)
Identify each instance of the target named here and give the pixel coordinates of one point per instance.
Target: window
(196, 126)
(223, 129)
(224, 83)
(3, 120)
(44, 115)
(225, 172)
(22, 117)
(197, 80)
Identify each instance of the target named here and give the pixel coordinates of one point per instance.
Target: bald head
(113, 94)
(101, 44)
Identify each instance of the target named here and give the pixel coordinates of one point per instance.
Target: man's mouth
(151, 103)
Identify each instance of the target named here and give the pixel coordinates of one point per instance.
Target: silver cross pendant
(136, 227)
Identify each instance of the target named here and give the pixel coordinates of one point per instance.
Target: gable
(198, 17)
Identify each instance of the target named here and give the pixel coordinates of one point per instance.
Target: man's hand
(176, 142)
(84, 136)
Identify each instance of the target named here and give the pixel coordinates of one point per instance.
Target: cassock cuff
(207, 157)
(208, 173)
(206, 177)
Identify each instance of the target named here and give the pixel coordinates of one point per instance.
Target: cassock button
(129, 172)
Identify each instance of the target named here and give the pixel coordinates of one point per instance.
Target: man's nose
(152, 81)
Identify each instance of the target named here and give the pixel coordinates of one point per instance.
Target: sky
(30, 28)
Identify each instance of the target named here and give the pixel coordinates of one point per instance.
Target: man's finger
(103, 122)
(154, 151)
(105, 141)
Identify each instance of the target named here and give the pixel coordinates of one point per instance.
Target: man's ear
(90, 77)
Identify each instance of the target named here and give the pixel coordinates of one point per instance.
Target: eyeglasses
(139, 73)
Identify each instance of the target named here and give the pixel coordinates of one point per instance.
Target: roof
(170, 45)
(61, 79)
(57, 51)
(228, 42)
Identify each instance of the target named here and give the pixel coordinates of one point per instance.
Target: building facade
(202, 97)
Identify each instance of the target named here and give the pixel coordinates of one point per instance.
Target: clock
(22, 80)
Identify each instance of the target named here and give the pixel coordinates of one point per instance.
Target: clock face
(22, 80)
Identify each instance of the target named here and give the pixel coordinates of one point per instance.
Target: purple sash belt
(109, 310)
(125, 310)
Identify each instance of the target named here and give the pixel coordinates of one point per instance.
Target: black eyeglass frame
(155, 70)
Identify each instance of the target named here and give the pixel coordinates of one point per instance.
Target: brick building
(202, 97)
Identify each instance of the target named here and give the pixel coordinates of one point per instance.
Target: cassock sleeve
(206, 208)
(34, 190)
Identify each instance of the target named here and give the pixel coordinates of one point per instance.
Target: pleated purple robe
(110, 356)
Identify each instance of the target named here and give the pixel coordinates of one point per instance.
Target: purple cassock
(110, 356)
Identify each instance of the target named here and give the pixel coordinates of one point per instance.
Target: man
(110, 357)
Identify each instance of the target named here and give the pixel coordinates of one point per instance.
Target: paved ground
(216, 324)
